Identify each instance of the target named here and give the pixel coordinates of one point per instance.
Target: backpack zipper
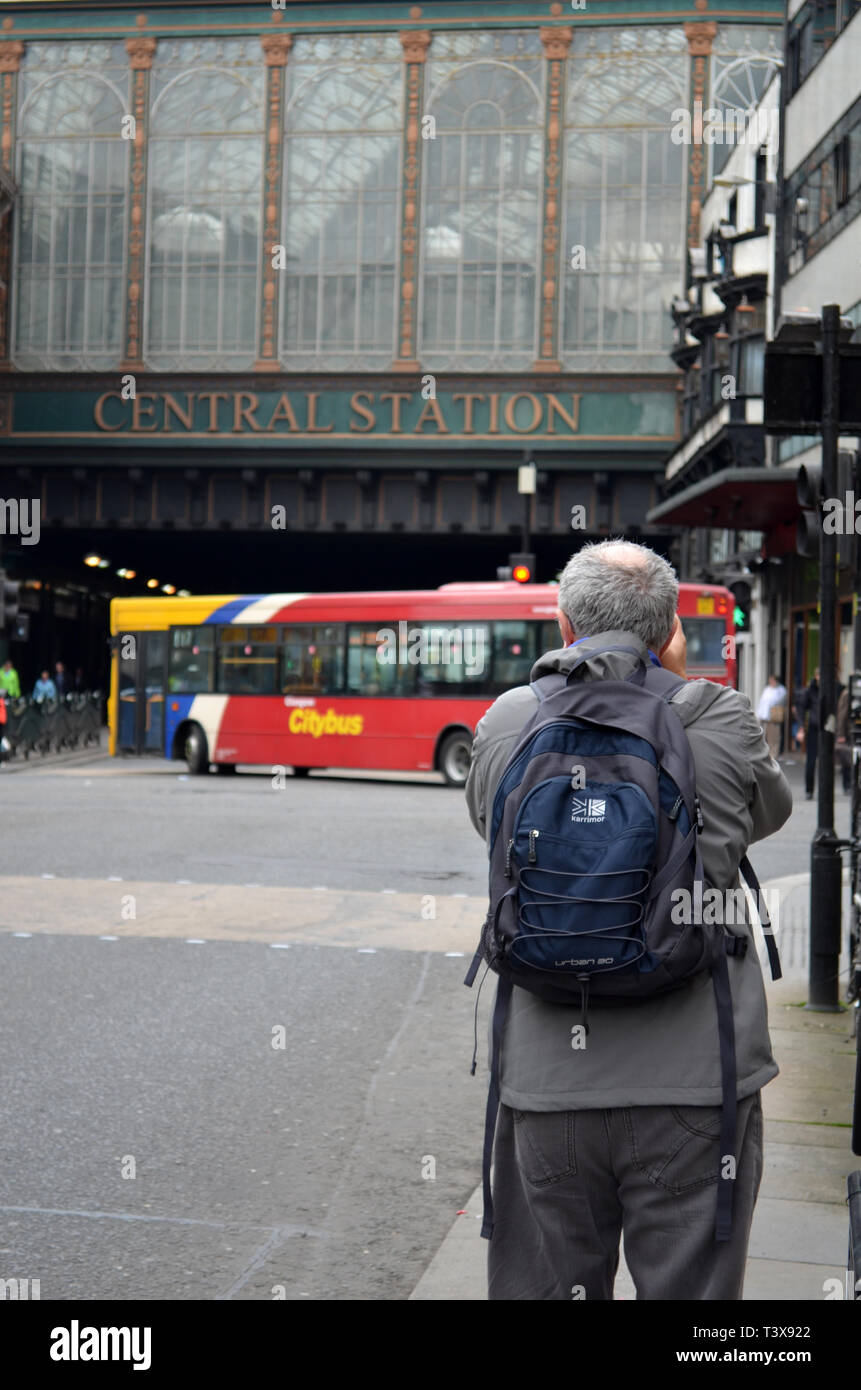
(533, 857)
(508, 858)
(584, 982)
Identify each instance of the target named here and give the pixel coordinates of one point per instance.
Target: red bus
(383, 681)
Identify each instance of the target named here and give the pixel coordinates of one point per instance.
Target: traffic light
(808, 487)
(8, 602)
(741, 592)
(522, 567)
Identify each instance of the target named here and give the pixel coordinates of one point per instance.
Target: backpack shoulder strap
(747, 872)
(664, 683)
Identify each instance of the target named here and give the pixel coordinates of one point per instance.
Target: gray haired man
(623, 1136)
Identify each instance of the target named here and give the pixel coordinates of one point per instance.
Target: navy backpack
(594, 829)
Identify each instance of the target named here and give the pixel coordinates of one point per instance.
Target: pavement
(799, 1234)
(69, 757)
(800, 1228)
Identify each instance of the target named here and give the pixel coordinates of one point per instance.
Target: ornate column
(556, 45)
(141, 51)
(11, 53)
(276, 50)
(700, 36)
(415, 43)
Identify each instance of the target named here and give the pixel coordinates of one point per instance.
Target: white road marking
(22, 933)
(109, 938)
(194, 941)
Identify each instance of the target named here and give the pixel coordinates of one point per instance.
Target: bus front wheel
(196, 751)
(455, 755)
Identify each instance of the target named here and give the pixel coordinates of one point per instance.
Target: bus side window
(549, 637)
(453, 659)
(514, 653)
(312, 659)
(247, 660)
(190, 660)
(376, 662)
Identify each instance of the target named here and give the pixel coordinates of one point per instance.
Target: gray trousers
(566, 1184)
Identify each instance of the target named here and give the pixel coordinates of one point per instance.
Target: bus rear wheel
(455, 755)
(196, 751)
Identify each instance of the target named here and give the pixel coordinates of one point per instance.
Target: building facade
(779, 236)
(295, 272)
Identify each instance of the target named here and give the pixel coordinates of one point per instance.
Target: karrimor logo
(588, 811)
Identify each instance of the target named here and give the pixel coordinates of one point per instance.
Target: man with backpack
(628, 1052)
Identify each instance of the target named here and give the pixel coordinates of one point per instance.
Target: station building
(289, 291)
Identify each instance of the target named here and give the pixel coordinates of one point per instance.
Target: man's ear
(671, 636)
(565, 627)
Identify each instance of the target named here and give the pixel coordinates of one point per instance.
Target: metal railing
(51, 726)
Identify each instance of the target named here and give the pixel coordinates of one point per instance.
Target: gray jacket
(663, 1051)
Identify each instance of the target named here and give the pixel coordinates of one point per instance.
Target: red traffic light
(522, 567)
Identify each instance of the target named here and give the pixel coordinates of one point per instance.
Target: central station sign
(214, 416)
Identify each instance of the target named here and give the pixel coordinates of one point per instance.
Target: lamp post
(802, 395)
(826, 866)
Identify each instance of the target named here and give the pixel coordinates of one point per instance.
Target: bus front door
(142, 667)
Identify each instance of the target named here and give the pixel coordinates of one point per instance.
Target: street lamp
(527, 477)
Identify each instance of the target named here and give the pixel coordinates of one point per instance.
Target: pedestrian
(807, 707)
(45, 689)
(843, 748)
(80, 683)
(61, 680)
(622, 1136)
(9, 682)
(5, 745)
(771, 712)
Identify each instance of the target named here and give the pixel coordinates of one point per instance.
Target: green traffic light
(739, 616)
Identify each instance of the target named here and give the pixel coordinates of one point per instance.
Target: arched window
(744, 60)
(624, 202)
(70, 233)
(343, 120)
(205, 189)
(481, 201)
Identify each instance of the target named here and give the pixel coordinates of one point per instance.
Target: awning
(744, 499)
